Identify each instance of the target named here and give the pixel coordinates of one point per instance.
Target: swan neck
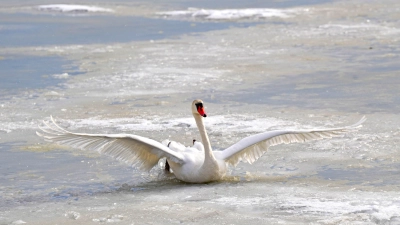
(204, 137)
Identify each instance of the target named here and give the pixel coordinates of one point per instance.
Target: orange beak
(201, 111)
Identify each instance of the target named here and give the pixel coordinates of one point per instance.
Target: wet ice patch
(377, 211)
(231, 14)
(360, 27)
(345, 30)
(67, 8)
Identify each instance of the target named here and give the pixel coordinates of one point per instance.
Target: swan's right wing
(253, 147)
(132, 149)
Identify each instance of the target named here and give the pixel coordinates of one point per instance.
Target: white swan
(197, 164)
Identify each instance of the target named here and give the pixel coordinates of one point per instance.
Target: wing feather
(253, 147)
(132, 149)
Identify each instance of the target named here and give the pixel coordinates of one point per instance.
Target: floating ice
(53, 94)
(109, 219)
(73, 8)
(231, 14)
(61, 76)
(386, 212)
(18, 222)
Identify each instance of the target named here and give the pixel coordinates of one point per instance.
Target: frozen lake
(135, 67)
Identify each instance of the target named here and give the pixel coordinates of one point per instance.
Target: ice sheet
(70, 8)
(232, 14)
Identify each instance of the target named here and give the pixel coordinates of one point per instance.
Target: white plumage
(135, 150)
(197, 164)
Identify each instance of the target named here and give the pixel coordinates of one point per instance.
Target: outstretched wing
(135, 150)
(253, 147)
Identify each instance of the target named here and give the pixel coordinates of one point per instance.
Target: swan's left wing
(132, 149)
(253, 147)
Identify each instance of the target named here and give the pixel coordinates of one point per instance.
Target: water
(42, 30)
(21, 72)
(132, 71)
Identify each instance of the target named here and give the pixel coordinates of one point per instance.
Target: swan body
(195, 164)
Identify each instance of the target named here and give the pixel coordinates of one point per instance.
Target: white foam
(73, 8)
(232, 14)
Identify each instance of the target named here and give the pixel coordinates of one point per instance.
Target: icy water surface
(21, 72)
(22, 29)
(258, 66)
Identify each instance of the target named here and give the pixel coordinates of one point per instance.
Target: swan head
(198, 108)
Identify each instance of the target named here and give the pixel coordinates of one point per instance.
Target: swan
(195, 164)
